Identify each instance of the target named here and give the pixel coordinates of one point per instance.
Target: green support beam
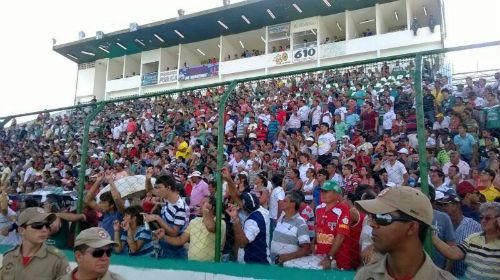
(83, 160)
(422, 151)
(220, 165)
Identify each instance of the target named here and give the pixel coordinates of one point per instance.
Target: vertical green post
(422, 152)
(220, 164)
(83, 160)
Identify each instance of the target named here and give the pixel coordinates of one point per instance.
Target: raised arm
(149, 175)
(450, 252)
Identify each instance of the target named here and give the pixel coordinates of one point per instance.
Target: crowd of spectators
(299, 151)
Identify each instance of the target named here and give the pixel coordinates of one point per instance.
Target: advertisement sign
(305, 54)
(168, 77)
(279, 28)
(304, 24)
(333, 49)
(198, 72)
(150, 79)
(280, 58)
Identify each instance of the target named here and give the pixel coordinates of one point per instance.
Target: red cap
(464, 188)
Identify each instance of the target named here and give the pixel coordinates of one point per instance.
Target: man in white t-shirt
(396, 170)
(326, 144)
(389, 117)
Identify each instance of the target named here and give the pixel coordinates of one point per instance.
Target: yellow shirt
(438, 97)
(182, 150)
(201, 241)
(490, 193)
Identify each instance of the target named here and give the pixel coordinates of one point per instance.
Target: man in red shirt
(369, 118)
(332, 227)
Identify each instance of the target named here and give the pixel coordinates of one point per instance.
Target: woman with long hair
(260, 190)
(365, 176)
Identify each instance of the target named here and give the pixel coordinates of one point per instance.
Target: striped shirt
(307, 213)
(482, 260)
(176, 214)
(141, 234)
(466, 227)
(289, 234)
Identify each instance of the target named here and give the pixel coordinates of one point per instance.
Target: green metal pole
(422, 152)
(4, 122)
(83, 160)
(220, 164)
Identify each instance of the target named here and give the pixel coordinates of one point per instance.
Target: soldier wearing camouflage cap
(33, 257)
(93, 248)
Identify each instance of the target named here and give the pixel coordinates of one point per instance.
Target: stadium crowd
(299, 152)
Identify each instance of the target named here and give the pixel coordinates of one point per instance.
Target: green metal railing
(231, 85)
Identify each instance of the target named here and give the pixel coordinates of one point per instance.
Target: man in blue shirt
(465, 143)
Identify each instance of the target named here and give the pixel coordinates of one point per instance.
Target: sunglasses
(387, 219)
(98, 253)
(40, 225)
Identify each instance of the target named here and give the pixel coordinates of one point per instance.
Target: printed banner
(285, 27)
(198, 72)
(168, 77)
(304, 24)
(150, 79)
(305, 54)
(280, 58)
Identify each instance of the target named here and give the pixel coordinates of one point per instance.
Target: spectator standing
(200, 234)
(465, 143)
(395, 169)
(332, 228)
(173, 217)
(111, 204)
(198, 193)
(253, 234)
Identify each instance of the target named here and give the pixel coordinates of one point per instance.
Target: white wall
(243, 64)
(350, 27)
(150, 56)
(189, 57)
(100, 80)
(115, 69)
(132, 65)
(122, 93)
(381, 27)
(85, 80)
(156, 88)
(168, 59)
(124, 84)
(230, 49)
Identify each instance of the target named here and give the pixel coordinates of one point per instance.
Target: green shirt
(492, 119)
(340, 129)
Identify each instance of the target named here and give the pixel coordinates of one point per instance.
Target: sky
(34, 77)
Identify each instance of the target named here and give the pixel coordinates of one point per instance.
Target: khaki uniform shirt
(108, 276)
(378, 271)
(47, 264)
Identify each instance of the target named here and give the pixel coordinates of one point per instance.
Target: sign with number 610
(305, 54)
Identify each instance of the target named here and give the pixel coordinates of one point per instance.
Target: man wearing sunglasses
(400, 218)
(33, 257)
(93, 248)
